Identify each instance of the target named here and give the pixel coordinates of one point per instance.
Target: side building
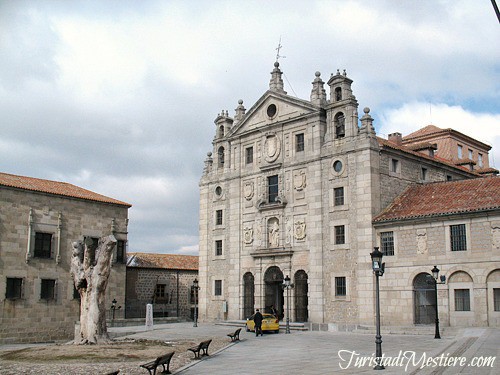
(164, 280)
(39, 219)
(291, 188)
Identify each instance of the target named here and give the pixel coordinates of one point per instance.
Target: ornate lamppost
(378, 268)
(196, 288)
(287, 286)
(435, 275)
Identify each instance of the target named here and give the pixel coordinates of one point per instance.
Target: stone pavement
(334, 352)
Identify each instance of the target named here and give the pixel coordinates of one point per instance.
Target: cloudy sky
(119, 97)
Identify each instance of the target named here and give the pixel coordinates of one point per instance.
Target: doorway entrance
(424, 299)
(273, 279)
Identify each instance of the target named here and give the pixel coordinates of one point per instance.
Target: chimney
(396, 138)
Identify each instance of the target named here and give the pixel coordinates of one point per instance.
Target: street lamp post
(287, 285)
(378, 268)
(114, 308)
(196, 288)
(435, 275)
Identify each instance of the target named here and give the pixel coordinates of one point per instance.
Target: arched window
(248, 295)
(338, 94)
(301, 300)
(221, 156)
(339, 124)
(221, 131)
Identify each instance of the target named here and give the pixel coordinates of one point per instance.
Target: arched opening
(273, 279)
(221, 131)
(338, 94)
(301, 301)
(221, 156)
(424, 299)
(339, 124)
(248, 295)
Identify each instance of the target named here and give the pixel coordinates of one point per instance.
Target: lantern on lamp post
(378, 269)
(195, 288)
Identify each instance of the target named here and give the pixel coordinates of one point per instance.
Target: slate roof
(165, 261)
(55, 187)
(444, 198)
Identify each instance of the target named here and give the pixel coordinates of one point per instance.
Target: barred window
(160, 291)
(48, 289)
(14, 288)
(272, 188)
(462, 300)
(387, 243)
(43, 245)
(458, 237)
(496, 299)
(218, 217)
(340, 286)
(339, 234)
(120, 251)
(218, 288)
(299, 142)
(218, 247)
(249, 155)
(338, 196)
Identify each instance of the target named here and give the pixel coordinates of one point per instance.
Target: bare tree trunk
(90, 269)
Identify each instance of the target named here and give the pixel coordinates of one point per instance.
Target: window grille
(338, 196)
(218, 217)
(14, 288)
(339, 234)
(299, 141)
(496, 299)
(340, 286)
(387, 243)
(218, 247)
(43, 245)
(462, 300)
(458, 237)
(218, 288)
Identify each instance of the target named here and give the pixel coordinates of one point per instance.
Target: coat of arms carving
(272, 147)
(299, 180)
(300, 230)
(248, 235)
(248, 190)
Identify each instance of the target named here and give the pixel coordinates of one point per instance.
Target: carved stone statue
(274, 235)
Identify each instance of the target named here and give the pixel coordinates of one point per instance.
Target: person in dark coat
(257, 319)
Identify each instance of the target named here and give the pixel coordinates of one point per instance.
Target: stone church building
(296, 188)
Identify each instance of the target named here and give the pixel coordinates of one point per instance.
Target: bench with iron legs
(235, 336)
(162, 360)
(201, 349)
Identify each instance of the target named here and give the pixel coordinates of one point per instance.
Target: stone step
(426, 330)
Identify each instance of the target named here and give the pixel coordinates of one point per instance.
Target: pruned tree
(90, 269)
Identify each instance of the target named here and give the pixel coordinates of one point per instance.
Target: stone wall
(31, 319)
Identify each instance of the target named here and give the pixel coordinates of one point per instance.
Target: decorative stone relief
(495, 236)
(300, 230)
(273, 233)
(272, 147)
(299, 180)
(248, 235)
(288, 238)
(421, 241)
(248, 190)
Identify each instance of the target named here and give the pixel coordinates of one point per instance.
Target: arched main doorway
(301, 301)
(424, 299)
(273, 278)
(248, 295)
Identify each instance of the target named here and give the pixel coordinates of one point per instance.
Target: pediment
(272, 108)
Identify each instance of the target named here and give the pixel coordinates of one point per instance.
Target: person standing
(257, 319)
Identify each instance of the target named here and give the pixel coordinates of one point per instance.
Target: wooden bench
(201, 348)
(162, 360)
(235, 336)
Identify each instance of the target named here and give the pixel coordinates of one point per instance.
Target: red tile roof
(166, 261)
(55, 188)
(444, 198)
(429, 129)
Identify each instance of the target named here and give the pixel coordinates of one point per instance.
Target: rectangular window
(339, 234)
(387, 243)
(394, 165)
(449, 178)
(496, 299)
(340, 286)
(218, 288)
(218, 217)
(14, 288)
(299, 142)
(338, 196)
(424, 174)
(43, 245)
(480, 160)
(272, 188)
(471, 154)
(458, 238)
(462, 300)
(48, 289)
(160, 292)
(459, 152)
(249, 155)
(120, 251)
(218, 247)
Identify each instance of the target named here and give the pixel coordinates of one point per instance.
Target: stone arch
(301, 301)
(424, 299)
(273, 280)
(460, 277)
(339, 125)
(221, 156)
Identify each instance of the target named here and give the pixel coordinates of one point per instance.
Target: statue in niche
(248, 235)
(300, 229)
(274, 234)
(421, 241)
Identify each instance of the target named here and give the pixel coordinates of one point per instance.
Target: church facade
(292, 188)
